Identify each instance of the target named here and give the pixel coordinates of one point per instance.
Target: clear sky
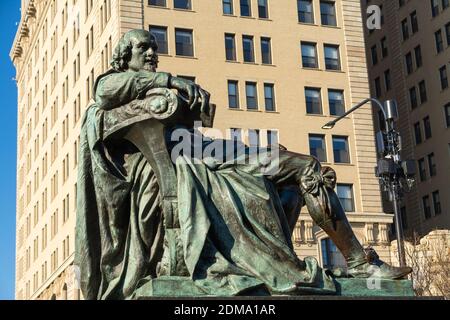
(9, 15)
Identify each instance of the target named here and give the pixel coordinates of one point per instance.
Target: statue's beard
(151, 63)
(150, 66)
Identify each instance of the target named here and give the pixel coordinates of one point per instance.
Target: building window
(266, 51)
(414, 22)
(377, 87)
(422, 170)
(263, 10)
(90, 43)
(159, 3)
(426, 207)
(309, 55)
(233, 94)
(247, 45)
(447, 33)
(227, 7)
(413, 97)
(246, 10)
(332, 60)
(439, 41)
(384, 48)
(418, 54)
(254, 137)
(427, 127)
(236, 138)
(184, 42)
(236, 135)
(381, 121)
(336, 102)
(409, 63)
(387, 79)
(345, 195)
(405, 31)
(272, 138)
(313, 101)
(373, 52)
(317, 147)
(340, 149)
(251, 95)
(432, 165)
(328, 13)
(445, 4)
(160, 34)
(182, 4)
(417, 133)
(437, 203)
(434, 8)
(230, 47)
(444, 77)
(447, 115)
(305, 11)
(269, 97)
(331, 256)
(423, 92)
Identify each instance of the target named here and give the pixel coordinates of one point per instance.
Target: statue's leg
(292, 204)
(316, 187)
(296, 167)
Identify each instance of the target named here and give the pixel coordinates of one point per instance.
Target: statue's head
(136, 51)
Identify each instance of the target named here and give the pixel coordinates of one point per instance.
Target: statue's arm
(118, 89)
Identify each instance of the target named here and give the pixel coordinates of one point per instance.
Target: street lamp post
(395, 175)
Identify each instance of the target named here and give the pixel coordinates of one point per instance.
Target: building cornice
(23, 30)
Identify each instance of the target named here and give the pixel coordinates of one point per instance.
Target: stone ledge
(374, 288)
(182, 288)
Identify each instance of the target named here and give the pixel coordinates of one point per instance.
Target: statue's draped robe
(234, 232)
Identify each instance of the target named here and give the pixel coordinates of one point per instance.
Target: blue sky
(9, 15)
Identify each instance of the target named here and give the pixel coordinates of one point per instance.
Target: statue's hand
(187, 87)
(193, 91)
(204, 97)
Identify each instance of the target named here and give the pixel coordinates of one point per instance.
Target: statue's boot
(327, 213)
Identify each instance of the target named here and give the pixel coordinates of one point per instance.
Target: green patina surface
(374, 288)
(179, 287)
(149, 224)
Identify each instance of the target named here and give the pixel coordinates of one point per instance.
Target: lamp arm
(359, 105)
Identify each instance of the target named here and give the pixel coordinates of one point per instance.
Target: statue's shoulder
(107, 74)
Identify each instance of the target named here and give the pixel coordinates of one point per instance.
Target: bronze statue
(148, 224)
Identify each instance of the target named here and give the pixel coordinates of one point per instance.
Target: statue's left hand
(195, 94)
(204, 97)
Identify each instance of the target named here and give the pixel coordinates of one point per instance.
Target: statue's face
(143, 53)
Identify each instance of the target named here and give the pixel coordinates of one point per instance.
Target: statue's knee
(315, 179)
(314, 164)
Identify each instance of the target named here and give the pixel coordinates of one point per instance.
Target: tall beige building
(409, 61)
(277, 70)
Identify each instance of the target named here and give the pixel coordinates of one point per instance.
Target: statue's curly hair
(122, 52)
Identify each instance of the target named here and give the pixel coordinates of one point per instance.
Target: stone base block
(373, 288)
(181, 287)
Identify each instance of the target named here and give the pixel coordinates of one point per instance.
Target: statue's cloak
(234, 232)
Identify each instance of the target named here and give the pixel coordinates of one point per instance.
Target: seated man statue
(235, 218)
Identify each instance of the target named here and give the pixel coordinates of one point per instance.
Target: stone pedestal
(374, 288)
(181, 287)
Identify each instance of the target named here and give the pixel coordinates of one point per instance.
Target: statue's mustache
(152, 59)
